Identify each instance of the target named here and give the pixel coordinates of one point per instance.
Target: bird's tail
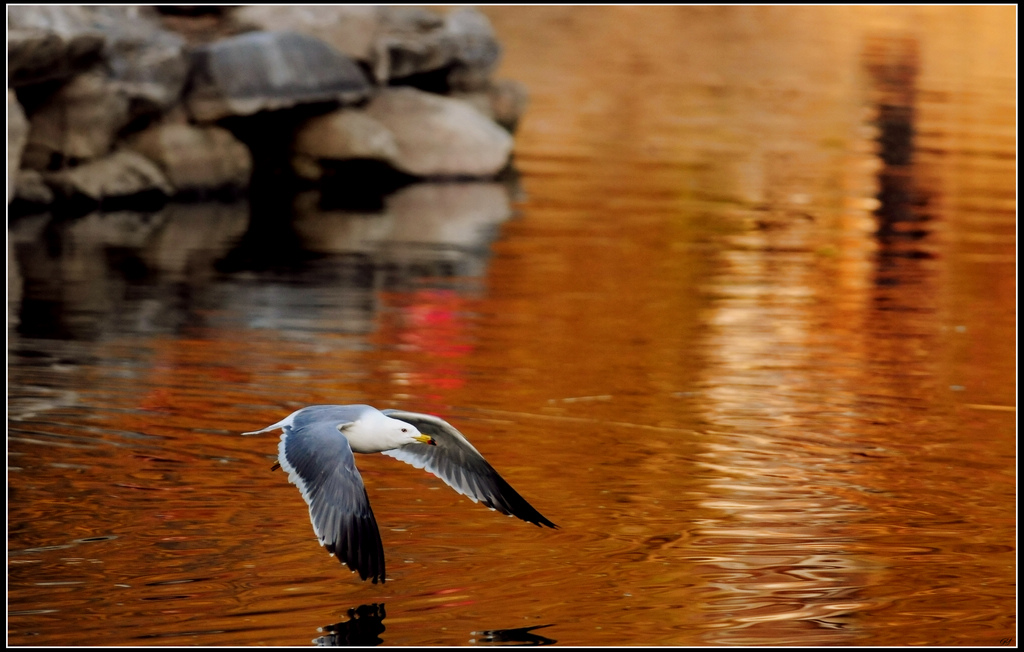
(277, 425)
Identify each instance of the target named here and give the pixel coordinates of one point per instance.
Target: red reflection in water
(432, 325)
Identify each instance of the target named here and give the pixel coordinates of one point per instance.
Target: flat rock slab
(269, 71)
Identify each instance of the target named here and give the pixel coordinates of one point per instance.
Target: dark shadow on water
(364, 626)
(359, 185)
(270, 242)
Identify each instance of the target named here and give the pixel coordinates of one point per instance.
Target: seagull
(316, 451)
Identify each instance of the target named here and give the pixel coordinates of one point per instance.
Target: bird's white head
(374, 432)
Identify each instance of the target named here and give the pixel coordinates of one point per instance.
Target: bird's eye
(405, 430)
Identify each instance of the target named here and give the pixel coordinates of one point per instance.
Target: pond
(743, 326)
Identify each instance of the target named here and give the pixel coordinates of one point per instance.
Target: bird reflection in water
(364, 626)
(518, 635)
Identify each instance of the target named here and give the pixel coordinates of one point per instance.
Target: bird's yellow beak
(426, 439)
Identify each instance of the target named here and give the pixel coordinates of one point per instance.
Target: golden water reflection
(756, 421)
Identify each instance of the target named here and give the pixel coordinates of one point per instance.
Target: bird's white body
(375, 433)
(370, 432)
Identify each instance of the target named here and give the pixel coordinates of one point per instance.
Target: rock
(147, 62)
(349, 29)
(267, 71)
(439, 136)
(341, 135)
(79, 121)
(410, 20)
(121, 174)
(503, 101)
(194, 158)
(66, 20)
(413, 41)
(30, 188)
(509, 99)
(48, 42)
(35, 55)
(191, 10)
(477, 49)
(395, 42)
(17, 136)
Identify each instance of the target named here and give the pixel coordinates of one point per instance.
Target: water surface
(745, 331)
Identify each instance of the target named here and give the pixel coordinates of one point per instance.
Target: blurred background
(738, 312)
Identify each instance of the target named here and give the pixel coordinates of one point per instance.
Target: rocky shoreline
(126, 105)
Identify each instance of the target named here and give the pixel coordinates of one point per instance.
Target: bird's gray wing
(462, 467)
(320, 463)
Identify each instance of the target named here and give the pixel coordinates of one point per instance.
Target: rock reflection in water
(107, 272)
(438, 228)
(425, 230)
(188, 264)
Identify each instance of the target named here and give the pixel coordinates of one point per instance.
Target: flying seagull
(316, 451)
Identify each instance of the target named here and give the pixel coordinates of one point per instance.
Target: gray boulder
(267, 71)
(439, 136)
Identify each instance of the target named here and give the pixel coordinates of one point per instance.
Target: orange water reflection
(755, 421)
